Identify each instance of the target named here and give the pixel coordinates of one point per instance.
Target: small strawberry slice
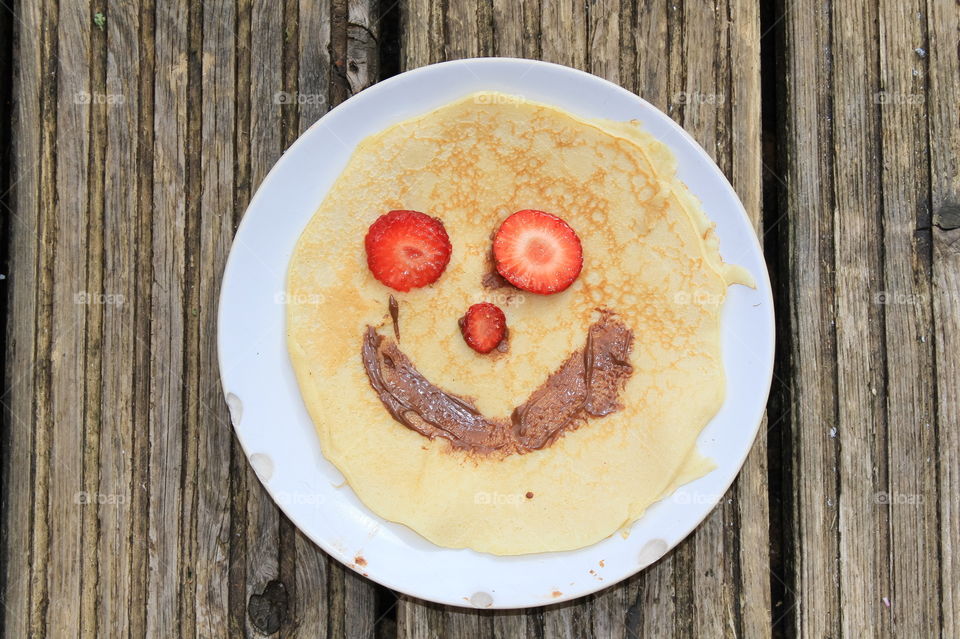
(407, 249)
(483, 327)
(537, 252)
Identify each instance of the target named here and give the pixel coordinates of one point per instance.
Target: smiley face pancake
(585, 407)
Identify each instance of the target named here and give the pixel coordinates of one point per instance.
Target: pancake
(651, 264)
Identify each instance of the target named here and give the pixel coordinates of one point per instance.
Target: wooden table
(140, 131)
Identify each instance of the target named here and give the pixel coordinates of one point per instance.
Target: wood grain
(67, 325)
(211, 535)
(21, 371)
(860, 417)
(143, 319)
(867, 550)
(943, 137)
(911, 442)
(167, 314)
(812, 456)
(119, 236)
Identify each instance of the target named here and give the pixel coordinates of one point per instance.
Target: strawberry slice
(407, 249)
(537, 252)
(483, 327)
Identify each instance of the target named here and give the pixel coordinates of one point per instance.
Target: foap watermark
(295, 97)
(110, 99)
(699, 298)
(506, 297)
(897, 298)
(101, 499)
(897, 99)
(697, 97)
(494, 498)
(105, 299)
(498, 98)
(304, 299)
(687, 498)
(897, 499)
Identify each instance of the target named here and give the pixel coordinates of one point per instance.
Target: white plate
(277, 435)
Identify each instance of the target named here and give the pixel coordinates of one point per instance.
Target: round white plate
(277, 435)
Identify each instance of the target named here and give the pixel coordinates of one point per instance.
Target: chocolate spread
(586, 385)
(494, 280)
(394, 315)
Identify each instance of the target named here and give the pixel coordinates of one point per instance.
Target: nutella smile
(587, 385)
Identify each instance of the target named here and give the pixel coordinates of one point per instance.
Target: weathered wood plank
(351, 602)
(43, 382)
(943, 119)
(362, 54)
(140, 557)
(168, 331)
(882, 568)
(73, 301)
(861, 422)
(93, 339)
(191, 376)
(462, 39)
(211, 536)
(649, 44)
(266, 145)
(811, 457)
(911, 440)
(310, 609)
(516, 29)
(423, 33)
(19, 396)
(116, 459)
(314, 65)
(518, 624)
(563, 33)
(603, 42)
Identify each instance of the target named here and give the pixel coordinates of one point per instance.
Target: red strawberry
(537, 252)
(483, 327)
(407, 249)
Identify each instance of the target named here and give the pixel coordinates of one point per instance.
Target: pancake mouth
(587, 385)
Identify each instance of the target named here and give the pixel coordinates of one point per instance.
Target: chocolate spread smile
(586, 385)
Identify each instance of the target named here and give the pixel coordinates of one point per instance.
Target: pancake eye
(537, 252)
(407, 249)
